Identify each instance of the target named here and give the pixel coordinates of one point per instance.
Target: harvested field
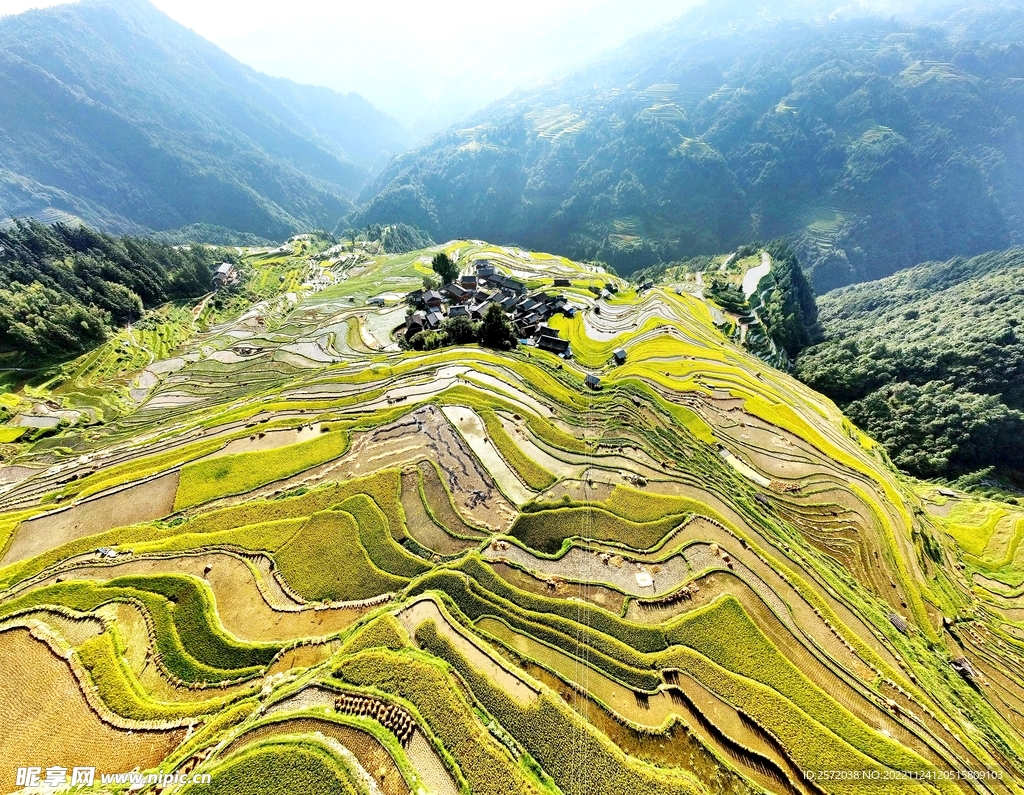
(698, 579)
(607, 598)
(426, 433)
(431, 769)
(269, 440)
(651, 712)
(371, 754)
(421, 526)
(250, 604)
(13, 474)
(45, 720)
(301, 657)
(424, 759)
(142, 502)
(471, 428)
(589, 565)
(426, 610)
(440, 502)
(73, 632)
(133, 630)
(559, 467)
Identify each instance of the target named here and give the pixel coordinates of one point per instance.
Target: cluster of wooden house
(472, 294)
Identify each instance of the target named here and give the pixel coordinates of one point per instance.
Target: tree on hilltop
(445, 268)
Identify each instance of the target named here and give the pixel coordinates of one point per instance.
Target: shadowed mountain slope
(116, 114)
(873, 143)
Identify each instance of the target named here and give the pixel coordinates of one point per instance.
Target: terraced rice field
(302, 552)
(46, 716)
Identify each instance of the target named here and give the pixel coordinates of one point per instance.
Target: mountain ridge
(117, 114)
(874, 144)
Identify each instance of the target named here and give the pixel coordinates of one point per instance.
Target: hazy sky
(426, 63)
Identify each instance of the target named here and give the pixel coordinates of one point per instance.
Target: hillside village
(471, 295)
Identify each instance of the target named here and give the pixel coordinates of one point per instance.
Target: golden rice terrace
(300, 559)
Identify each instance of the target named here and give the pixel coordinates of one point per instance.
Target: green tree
(426, 340)
(63, 288)
(496, 330)
(445, 268)
(790, 312)
(459, 331)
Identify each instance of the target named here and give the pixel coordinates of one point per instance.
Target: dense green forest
(790, 313)
(63, 288)
(873, 143)
(930, 362)
(113, 113)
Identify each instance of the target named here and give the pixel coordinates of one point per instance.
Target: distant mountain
(115, 114)
(930, 362)
(873, 143)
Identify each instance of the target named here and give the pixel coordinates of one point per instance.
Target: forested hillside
(63, 288)
(873, 143)
(930, 362)
(115, 114)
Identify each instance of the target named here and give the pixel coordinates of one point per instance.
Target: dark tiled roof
(554, 344)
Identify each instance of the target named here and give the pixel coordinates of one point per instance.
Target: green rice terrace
(266, 543)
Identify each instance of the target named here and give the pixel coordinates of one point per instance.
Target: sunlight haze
(426, 64)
